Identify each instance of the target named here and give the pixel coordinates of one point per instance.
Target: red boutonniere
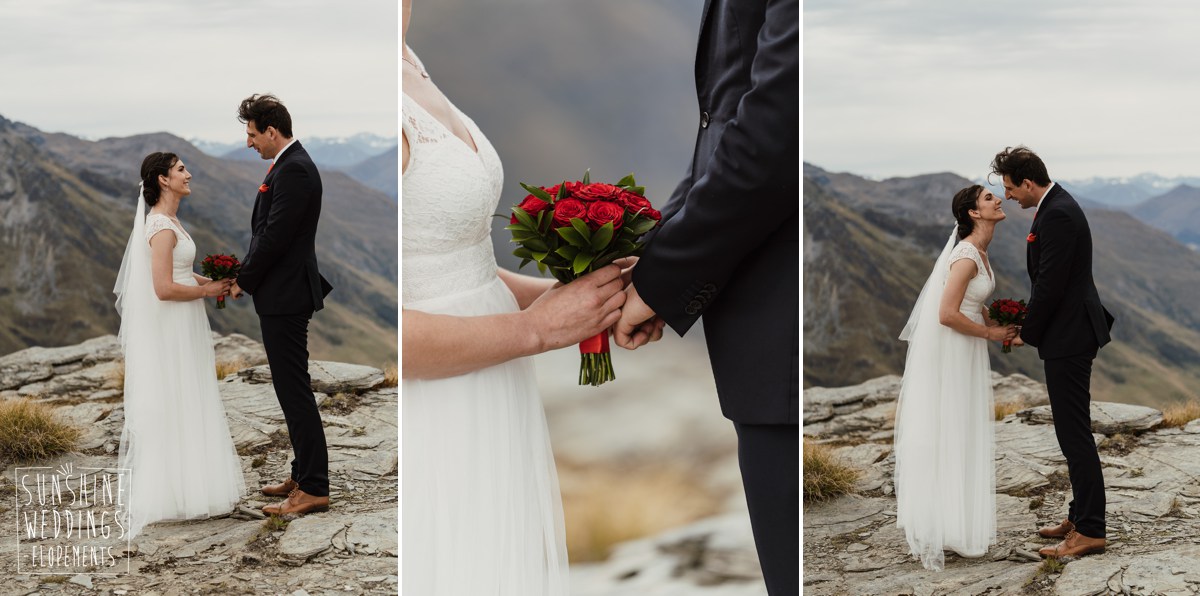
(1030, 238)
(264, 187)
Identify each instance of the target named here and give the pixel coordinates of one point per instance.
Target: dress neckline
(469, 143)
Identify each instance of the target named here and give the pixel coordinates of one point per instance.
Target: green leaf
(638, 190)
(517, 227)
(641, 226)
(587, 176)
(624, 246)
(582, 228)
(524, 218)
(562, 275)
(605, 260)
(627, 181)
(572, 236)
(524, 262)
(582, 260)
(537, 192)
(537, 244)
(541, 268)
(540, 256)
(523, 252)
(602, 237)
(562, 190)
(568, 252)
(523, 237)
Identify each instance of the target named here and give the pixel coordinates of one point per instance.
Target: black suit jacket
(280, 268)
(1065, 315)
(729, 243)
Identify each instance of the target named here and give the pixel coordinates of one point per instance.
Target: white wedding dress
(945, 472)
(482, 513)
(176, 439)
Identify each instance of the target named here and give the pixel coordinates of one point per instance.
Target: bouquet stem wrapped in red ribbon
(574, 228)
(217, 267)
(1007, 312)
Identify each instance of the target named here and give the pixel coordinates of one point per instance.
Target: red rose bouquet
(217, 267)
(1007, 312)
(574, 228)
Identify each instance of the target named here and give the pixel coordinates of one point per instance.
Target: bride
(176, 440)
(481, 506)
(944, 477)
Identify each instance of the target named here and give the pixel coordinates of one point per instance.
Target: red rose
(602, 212)
(532, 205)
(572, 188)
(636, 203)
(567, 209)
(598, 192)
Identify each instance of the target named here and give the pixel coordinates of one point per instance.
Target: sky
(1102, 88)
(124, 67)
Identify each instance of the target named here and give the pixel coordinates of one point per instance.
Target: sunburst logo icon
(66, 469)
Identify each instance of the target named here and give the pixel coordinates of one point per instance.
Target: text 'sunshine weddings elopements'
(71, 520)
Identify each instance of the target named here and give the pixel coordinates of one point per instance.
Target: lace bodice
(450, 195)
(183, 256)
(980, 288)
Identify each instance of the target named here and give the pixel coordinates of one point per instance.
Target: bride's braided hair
(964, 201)
(156, 164)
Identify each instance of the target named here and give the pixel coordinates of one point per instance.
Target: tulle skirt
(945, 471)
(482, 511)
(176, 439)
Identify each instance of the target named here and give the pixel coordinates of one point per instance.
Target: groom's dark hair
(1020, 163)
(266, 110)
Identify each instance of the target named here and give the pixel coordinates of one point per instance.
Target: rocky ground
(660, 417)
(1152, 478)
(351, 549)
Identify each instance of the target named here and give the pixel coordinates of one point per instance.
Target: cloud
(122, 67)
(901, 88)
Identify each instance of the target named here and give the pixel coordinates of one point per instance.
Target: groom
(727, 250)
(1068, 325)
(280, 272)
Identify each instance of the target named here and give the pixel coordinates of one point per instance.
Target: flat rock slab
(309, 536)
(374, 533)
(842, 515)
(961, 576)
(1018, 389)
(1107, 418)
(327, 377)
(877, 390)
(1173, 571)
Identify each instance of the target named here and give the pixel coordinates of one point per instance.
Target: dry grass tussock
(825, 475)
(116, 376)
(229, 367)
(1178, 415)
(391, 375)
(30, 431)
(605, 505)
(1003, 410)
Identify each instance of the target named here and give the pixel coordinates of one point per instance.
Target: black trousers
(285, 338)
(769, 456)
(1068, 381)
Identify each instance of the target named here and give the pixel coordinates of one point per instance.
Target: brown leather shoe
(280, 490)
(1060, 531)
(298, 503)
(1075, 545)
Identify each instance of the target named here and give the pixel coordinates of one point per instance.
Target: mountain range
(66, 207)
(869, 246)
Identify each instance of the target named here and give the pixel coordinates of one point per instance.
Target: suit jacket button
(704, 119)
(710, 288)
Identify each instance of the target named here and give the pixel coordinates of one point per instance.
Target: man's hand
(638, 325)
(235, 291)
